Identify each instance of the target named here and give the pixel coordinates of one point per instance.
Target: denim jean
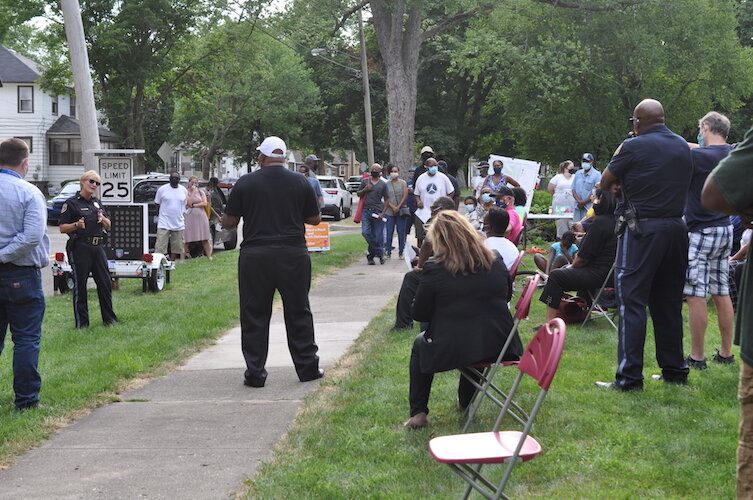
(401, 223)
(371, 229)
(22, 307)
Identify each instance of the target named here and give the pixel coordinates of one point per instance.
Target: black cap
(504, 191)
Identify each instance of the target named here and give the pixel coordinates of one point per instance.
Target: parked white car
(337, 199)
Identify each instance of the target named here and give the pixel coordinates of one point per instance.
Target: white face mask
(394, 175)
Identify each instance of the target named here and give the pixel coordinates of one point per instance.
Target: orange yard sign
(317, 237)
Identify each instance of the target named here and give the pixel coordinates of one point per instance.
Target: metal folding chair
(466, 454)
(597, 309)
(482, 375)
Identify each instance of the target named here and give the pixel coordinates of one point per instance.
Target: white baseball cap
(426, 149)
(271, 143)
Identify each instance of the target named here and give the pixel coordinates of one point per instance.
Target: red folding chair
(482, 375)
(514, 269)
(466, 454)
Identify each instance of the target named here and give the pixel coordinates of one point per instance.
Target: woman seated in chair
(463, 295)
(593, 261)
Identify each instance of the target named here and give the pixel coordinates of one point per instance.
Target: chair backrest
(523, 305)
(542, 355)
(515, 238)
(514, 268)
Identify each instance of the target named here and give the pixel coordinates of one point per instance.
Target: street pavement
(199, 432)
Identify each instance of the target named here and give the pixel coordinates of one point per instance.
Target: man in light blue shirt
(24, 250)
(584, 182)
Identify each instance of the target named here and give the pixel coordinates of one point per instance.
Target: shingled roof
(65, 125)
(15, 68)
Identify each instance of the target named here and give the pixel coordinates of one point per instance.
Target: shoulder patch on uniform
(64, 208)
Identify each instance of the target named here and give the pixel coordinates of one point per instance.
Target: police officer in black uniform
(85, 220)
(653, 171)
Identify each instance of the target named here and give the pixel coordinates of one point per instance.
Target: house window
(28, 141)
(25, 99)
(65, 152)
(72, 112)
(55, 106)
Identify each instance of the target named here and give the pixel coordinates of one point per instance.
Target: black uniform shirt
(274, 203)
(76, 207)
(655, 171)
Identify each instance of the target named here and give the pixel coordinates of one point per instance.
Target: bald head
(648, 113)
(430, 162)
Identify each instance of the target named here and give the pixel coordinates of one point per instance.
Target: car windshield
(328, 183)
(354, 178)
(69, 189)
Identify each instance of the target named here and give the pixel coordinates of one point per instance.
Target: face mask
(502, 204)
(486, 198)
(497, 170)
(193, 185)
(433, 170)
(470, 208)
(572, 170)
(478, 172)
(586, 166)
(174, 182)
(394, 175)
(700, 140)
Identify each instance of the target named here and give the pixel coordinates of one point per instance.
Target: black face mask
(376, 174)
(572, 170)
(174, 182)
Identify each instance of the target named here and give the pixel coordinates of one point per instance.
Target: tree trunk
(399, 37)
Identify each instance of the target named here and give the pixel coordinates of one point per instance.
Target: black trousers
(650, 272)
(85, 258)
(420, 383)
(581, 279)
(261, 271)
(404, 309)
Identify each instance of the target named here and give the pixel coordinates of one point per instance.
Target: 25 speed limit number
(116, 174)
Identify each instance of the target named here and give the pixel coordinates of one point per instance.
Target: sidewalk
(199, 432)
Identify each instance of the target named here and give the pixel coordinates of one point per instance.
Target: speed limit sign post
(116, 173)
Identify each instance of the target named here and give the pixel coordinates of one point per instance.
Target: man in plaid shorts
(710, 235)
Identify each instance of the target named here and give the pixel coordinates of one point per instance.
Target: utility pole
(366, 95)
(82, 81)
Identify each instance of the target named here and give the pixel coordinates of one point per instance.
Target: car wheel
(348, 211)
(231, 243)
(339, 213)
(157, 279)
(65, 282)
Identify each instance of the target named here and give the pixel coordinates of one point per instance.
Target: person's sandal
(718, 358)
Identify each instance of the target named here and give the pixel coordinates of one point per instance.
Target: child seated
(561, 254)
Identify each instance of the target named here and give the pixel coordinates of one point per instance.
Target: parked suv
(354, 182)
(145, 192)
(55, 204)
(338, 201)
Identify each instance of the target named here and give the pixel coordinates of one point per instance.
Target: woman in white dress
(561, 187)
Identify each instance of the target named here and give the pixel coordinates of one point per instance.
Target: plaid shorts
(708, 262)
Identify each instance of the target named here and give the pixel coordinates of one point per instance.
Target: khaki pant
(745, 449)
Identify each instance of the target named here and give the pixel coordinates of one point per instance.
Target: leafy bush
(541, 202)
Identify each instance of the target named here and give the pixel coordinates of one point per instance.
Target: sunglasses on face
(92, 181)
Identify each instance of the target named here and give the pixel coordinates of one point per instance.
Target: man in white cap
(274, 256)
(426, 153)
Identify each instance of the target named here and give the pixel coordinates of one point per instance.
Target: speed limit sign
(117, 179)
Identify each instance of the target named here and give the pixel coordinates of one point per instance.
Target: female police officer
(85, 221)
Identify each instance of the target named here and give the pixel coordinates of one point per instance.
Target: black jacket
(468, 317)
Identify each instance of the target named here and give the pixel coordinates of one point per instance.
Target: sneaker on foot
(695, 363)
(718, 358)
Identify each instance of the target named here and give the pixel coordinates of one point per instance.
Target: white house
(47, 123)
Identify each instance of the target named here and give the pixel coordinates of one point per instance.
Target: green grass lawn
(665, 442)
(82, 369)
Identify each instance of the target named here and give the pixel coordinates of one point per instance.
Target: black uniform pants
(420, 383)
(261, 271)
(650, 272)
(85, 258)
(404, 308)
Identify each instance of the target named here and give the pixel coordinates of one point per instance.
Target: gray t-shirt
(395, 193)
(373, 199)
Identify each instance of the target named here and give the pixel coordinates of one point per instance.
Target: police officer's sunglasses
(92, 181)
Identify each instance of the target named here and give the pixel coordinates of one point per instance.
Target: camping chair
(467, 453)
(600, 309)
(482, 375)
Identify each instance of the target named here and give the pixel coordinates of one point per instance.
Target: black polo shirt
(76, 207)
(654, 169)
(274, 203)
(704, 161)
